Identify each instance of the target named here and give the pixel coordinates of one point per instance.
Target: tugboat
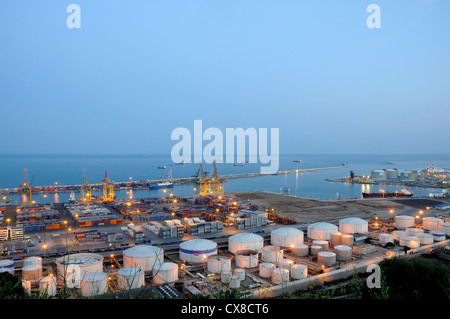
(180, 163)
(162, 167)
(383, 194)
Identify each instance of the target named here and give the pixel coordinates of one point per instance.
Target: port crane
(205, 184)
(108, 188)
(213, 185)
(86, 192)
(25, 189)
(218, 182)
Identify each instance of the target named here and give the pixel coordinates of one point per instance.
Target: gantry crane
(213, 185)
(25, 189)
(218, 182)
(108, 188)
(86, 192)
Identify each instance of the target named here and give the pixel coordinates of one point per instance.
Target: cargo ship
(383, 194)
(161, 185)
(297, 161)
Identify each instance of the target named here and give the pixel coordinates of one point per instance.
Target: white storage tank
(438, 235)
(225, 277)
(285, 264)
(404, 221)
(299, 271)
(245, 241)
(280, 276)
(321, 230)
(326, 258)
(240, 272)
(8, 265)
(72, 268)
(143, 256)
(165, 273)
(444, 227)
(197, 250)
(47, 286)
(347, 240)
(286, 236)
(235, 282)
(266, 269)
(218, 264)
(130, 278)
(321, 243)
(353, 225)
(410, 241)
(315, 249)
(398, 234)
(32, 261)
(386, 238)
(412, 231)
(247, 259)
(93, 284)
(300, 250)
(343, 253)
(272, 254)
(32, 273)
(431, 223)
(335, 239)
(426, 239)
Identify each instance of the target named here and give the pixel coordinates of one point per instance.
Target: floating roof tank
(286, 236)
(143, 256)
(403, 221)
(93, 284)
(321, 230)
(218, 264)
(431, 223)
(72, 268)
(197, 250)
(245, 241)
(353, 225)
(164, 273)
(130, 278)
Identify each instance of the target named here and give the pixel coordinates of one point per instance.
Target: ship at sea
(383, 194)
(4, 201)
(297, 161)
(166, 184)
(72, 198)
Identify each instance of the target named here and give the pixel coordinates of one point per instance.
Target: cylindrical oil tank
(444, 227)
(247, 259)
(353, 225)
(321, 230)
(32, 273)
(335, 239)
(197, 250)
(410, 241)
(386, 238)
(32, 261)
(286, 236)
(47, 286)
(235, 282)
(265, 270)
(165, 273)
(326, 258)
(8, 265)
(72, 268)
(438, 235)
(240, 272)
(218, 264)
(322, 243)
(300, 250)
(130, 278)
(347, 239)
(431, 223)
(343, 253)
(404, 221)
(272, 254)
(225, 277)
(245, 241)
(285, 264)
(412, 231)
(280, 276)
(426, 239)
(398, 234)
(299, 271)
(315, 249)
(93, 284)
(143, 256)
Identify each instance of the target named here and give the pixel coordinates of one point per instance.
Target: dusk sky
(136, 70)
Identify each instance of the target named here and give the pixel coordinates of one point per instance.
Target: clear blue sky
(136, 70)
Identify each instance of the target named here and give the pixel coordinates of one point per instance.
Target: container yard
(200, 245)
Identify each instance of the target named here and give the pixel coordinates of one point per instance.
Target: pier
(144, 184)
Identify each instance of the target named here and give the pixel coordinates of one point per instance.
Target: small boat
(162, 167)
(180, 163)
(297, 161)
(239, 164)
(72, 197)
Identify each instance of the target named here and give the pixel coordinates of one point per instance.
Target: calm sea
(67, 170)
